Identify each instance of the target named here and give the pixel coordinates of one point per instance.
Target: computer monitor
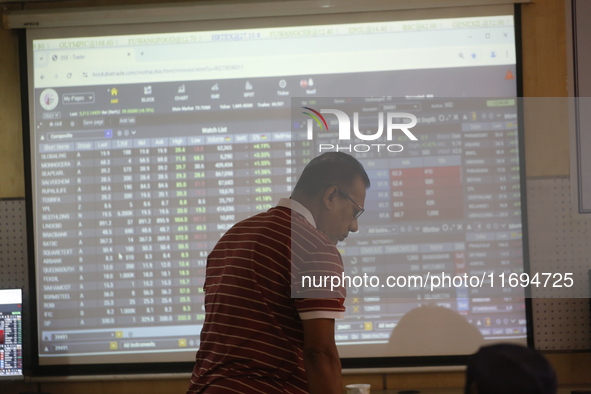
(11, 334)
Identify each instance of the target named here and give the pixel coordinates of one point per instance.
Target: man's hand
(321, 358)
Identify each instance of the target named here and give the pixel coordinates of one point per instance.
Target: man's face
(338, 219)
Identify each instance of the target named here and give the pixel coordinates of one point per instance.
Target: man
(256, 337)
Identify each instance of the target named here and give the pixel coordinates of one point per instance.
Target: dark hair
(330, 169)
(510, 369)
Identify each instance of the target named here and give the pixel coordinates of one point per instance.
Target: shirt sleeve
(320, 308)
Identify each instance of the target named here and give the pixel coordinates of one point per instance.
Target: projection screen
(147, 142)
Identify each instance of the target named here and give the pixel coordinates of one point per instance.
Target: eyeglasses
(361, 209)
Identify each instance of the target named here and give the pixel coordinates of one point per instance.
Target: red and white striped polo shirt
(252, 338)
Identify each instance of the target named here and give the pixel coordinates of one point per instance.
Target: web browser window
(146, 148)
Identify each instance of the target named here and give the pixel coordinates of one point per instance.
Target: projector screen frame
(39, 372)
(215, 9)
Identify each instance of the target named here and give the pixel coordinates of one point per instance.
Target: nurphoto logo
(393, 120)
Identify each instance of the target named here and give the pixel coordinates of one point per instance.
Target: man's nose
(354, 226)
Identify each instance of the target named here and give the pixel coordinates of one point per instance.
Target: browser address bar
(93, 73)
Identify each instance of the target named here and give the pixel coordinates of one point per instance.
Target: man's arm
(321, 357)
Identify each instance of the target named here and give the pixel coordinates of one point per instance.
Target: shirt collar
(299, 208)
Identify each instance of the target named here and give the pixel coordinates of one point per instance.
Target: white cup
(358, 388)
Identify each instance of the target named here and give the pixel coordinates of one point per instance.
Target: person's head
(509, 369)
(332, 187)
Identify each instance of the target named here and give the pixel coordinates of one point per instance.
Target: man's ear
(329, 196)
